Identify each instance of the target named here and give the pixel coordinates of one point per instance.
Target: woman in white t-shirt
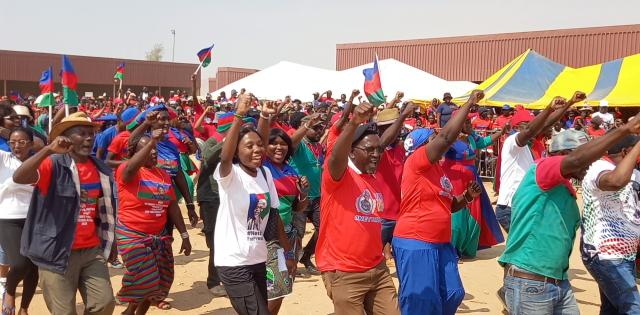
(14, 205)
(247, 196)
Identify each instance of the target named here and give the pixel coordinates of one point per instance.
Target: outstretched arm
(391, 134)
(588, 153)
(339, 158)
(347, 110)
(621, 175)
(449, 134)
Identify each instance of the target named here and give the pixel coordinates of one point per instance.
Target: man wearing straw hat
(69, 231)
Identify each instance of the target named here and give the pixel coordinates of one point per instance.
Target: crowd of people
(394, 184)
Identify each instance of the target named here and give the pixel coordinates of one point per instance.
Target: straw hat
(387, 116)
(73, 120)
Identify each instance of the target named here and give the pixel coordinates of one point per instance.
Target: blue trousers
(429, 278)
(616, 280)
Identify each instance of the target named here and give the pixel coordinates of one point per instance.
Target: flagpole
(120, 83)
(199, 66)
(50, 115)
(66, 110)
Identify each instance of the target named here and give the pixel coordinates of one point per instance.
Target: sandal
(163, 305)
(6, 310)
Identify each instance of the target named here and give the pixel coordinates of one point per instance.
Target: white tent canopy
(300, 81)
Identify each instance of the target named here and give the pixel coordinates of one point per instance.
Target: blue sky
(259, 33)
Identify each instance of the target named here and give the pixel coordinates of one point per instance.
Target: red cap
(521, 115)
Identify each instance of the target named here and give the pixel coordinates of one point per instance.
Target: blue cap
(107, 117)
(129, 114)
(416, 139)
(506, 107)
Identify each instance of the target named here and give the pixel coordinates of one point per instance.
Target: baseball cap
(363, 131)
(506, 107)
(568, 140)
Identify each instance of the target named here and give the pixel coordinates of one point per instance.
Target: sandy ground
(481, 276)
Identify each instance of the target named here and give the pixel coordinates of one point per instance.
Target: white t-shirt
(242, 217)
(611, 219)
(607, 118)
(14, 198)
(515, 161)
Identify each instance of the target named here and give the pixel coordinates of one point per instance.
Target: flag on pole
(69, 82)
(46, 88)
(119, 72)
(372, 84)
(15, 96)
(204, 55)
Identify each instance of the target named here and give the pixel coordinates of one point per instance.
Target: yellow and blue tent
(533, 80)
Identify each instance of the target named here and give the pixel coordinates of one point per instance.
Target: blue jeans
(503, 214)
(4, 260)
(387, 231)
(531, 297)
(616, 280)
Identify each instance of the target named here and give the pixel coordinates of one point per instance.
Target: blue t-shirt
(446, 110)
(103, 140)
(4, 145)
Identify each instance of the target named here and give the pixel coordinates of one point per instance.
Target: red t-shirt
(144, 201)
(482, 124)
(350, 232)
(90, 191)
(501, 121)
(119, 146)
(389, 175)
(595, 133)
(425, 209)
(332, 138)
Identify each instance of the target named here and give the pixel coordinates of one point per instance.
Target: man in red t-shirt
(69, 183)
(389, 173)
(505, 117)
(349, 251)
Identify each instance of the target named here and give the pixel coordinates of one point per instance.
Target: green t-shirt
(207, 188)
(306, 164)
(544, 221)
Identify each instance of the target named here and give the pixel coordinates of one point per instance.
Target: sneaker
(311, 268)
(3, 286)
(116, 264)
(218, 291)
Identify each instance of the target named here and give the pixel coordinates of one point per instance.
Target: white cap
(604, 103)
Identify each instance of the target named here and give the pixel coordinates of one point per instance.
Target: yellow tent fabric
(533, 80)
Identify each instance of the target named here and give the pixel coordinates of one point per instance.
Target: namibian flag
(372, 84)
(204, 56)
(119, 72)
(15, 96)
(224, 121)
(69, 82)
(149, 189)
(46, 88)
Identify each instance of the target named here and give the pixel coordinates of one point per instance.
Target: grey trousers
(87, 273)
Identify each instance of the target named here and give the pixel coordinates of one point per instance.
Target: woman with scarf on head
(147, 200)
(247, 218)
(181, 136)
(475, 226)
(425, 259)
(292, 193)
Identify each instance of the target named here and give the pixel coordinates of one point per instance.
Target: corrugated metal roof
(27, 66)
(474, 58)
(228, 75)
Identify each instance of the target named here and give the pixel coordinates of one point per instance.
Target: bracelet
(289, 255)
(265, 117)
(184, 235)
(238, 115)
(303, 199)
(306, 126)
(190, 204)
(465, 197)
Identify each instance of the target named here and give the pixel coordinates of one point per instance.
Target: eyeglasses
(370, 150)
(21, 143)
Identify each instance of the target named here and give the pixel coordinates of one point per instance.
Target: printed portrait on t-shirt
(447, 187)
(258, 210)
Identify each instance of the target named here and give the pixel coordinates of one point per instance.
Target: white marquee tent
(300, 81)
